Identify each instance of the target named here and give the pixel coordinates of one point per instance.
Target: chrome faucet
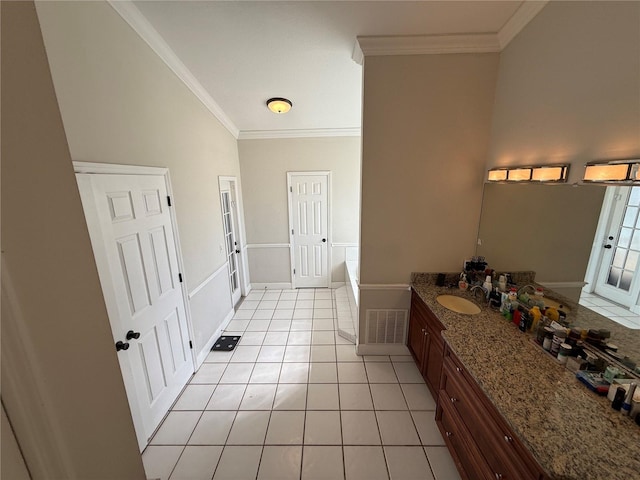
(533, 289)
(473, 290)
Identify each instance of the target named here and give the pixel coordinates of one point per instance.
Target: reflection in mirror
(554, 229)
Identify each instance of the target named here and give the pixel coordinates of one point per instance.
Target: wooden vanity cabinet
(481, 443)
(426, 343)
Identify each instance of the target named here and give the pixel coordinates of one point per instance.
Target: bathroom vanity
(505, 407)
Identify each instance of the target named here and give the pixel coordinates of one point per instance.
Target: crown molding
(308, 133)
(129, 12)
(439, 44)
(525, 13)
(425, 45)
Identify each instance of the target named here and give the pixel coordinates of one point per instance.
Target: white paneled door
(133, 241)
(231, 236)
(309, 222)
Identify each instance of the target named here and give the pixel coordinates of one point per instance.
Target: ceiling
(237, 54)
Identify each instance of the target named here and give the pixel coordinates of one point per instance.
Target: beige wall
(54, 291)
(569, 87)
(121, 104)
(425, 139)
(545, 228)
(264, 165)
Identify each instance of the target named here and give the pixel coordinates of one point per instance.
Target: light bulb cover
(279, 105)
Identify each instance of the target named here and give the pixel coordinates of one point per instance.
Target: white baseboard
(271, 286)
(382, 349)
(202, 355)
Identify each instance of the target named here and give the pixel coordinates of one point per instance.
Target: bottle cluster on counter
(585, 352)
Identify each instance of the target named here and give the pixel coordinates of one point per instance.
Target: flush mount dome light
(279, 105)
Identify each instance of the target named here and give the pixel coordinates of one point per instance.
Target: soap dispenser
(488, 285)
(463, 284)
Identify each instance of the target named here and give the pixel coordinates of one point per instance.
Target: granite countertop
(572, 432)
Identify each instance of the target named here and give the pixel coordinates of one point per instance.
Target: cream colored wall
(425, 139)
(121, 104)
(12, 465)
(264, 165)
(54, 291)
(569, 87)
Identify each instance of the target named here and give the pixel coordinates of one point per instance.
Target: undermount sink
(557, 305)
(458, 304)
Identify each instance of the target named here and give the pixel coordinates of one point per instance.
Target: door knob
(324, 240)
(610, 237)
(237, 251)
(131, 334)
(607, 246)
(120, 345)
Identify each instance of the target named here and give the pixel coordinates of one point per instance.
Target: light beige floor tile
(289, 295)
(294, 373)
(323, 372)
(218, 357)
(236, 373)
(276, 338)
(245, 354)
(249, 428)
(297, 353)
(226, 397)
(197, 463)
(300, 325)
(286, 304)
(387, 396)
(209, 373)
(359, 428)
(194, 397)
(322, 428)
(441, 463)
(354, 396)
(238, 463)
(347, 353)
(255, 295)
(365, 463)
(243, 315)
(258, 397)
(323, 294)
(376, 358)
(322, 396)
(407, 372)
(283, 315)
(299, 338)
(271, 295)
(321, 337)
(322, 463)
(306, 295)
(322, 303)
(418, 396)
(271, 353)
(262, 315)
(285, 428)
(351, 372)
(402, 358)
(159, 460)
(340, 340)
(303, 314)
(307, 304)
(290, 397)
(176, 428)
(267, 305)
(280, 463)
(323, 353)
(238, 325)
(258, 325)
(213, 428)
(427, 429)
(252, 338)
(396, 428)
(407, 463)
(380, 372)
(265, 373)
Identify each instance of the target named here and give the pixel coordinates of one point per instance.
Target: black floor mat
(225, 343)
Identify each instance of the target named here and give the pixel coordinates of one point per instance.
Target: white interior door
(133, 242)
(309, 220)
(229, 216)
(618, 278)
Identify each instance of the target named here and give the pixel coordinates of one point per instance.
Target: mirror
(549, 229)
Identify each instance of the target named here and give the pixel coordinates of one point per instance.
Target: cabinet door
(417, 337)
(433, 361)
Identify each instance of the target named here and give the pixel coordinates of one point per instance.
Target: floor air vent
(386, 326)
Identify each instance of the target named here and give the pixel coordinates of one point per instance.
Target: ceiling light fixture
(279, 105)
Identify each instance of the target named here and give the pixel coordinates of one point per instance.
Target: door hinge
(291, 189)
(190, 344)
(292, 231)
(168, 200)
(180, 277)
(294, 271)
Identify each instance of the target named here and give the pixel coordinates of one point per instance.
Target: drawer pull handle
(454, 399)
(449, 434)
(498, 476)
(423, 330)
(458, 369)
(508, 439)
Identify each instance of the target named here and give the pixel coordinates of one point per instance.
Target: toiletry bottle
(462, 284)
(536, 315)
(502, 283)
(628, 399)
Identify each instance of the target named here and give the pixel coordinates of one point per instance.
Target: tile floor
(609, 309)
(294, 401)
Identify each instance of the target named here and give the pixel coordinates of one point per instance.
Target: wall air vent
(386, 326)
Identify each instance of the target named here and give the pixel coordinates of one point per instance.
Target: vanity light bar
(538, 174)
(617, 171)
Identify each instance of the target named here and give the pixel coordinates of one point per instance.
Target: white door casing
(309, 228)
(617, 278)
(133, 240)
(232, 242)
